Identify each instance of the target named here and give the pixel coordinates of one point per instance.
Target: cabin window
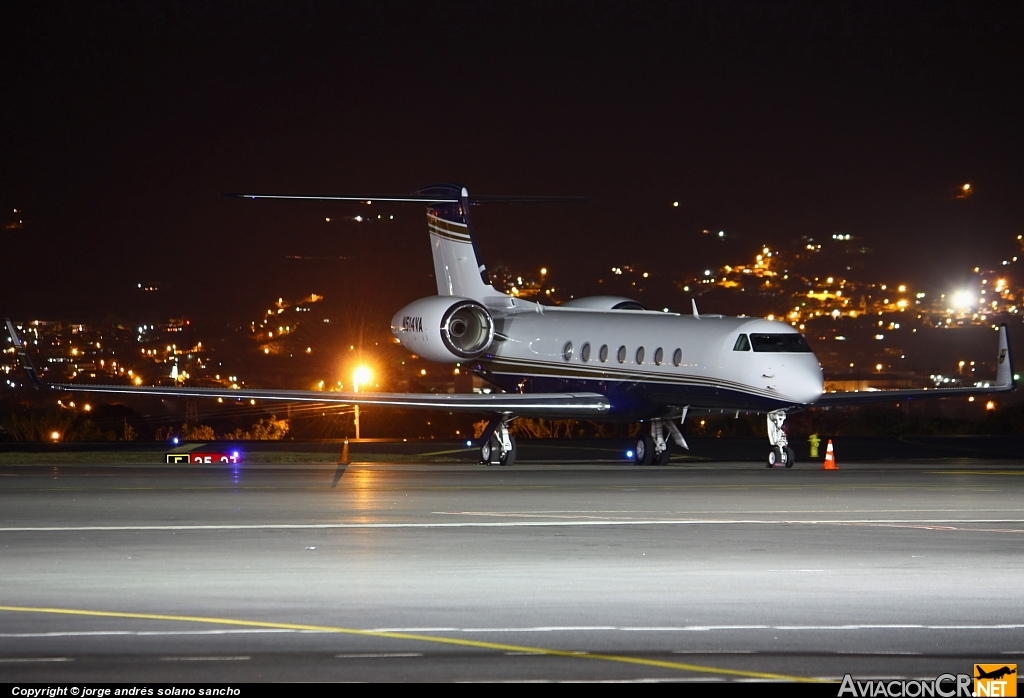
(742, 343)
(603, 353)
(677, 357)
(585, 351)
(789, 343)
(640, 355)
(622, 355)
(659, 356)
(567, 351)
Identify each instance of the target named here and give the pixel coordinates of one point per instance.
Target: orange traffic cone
(830, 458)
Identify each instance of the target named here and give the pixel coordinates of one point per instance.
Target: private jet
(601, 358)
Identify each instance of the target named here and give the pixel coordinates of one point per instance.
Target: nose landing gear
(781, 453)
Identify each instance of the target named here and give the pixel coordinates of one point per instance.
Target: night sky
(123, 124)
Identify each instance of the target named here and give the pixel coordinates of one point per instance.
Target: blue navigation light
(174, 440)
(629, 454)
(469, 443)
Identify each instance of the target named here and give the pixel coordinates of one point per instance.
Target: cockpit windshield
(791, 343)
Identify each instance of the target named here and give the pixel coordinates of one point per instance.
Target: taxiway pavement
(725, 571)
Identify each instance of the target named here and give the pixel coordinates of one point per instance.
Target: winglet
(1004, 363)
(693, 303)
(23, 357)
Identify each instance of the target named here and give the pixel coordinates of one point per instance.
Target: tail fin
(457, 265)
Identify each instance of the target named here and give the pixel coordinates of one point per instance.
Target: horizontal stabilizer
(418, 199)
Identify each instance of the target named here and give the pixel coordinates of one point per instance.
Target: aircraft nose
(807, 383)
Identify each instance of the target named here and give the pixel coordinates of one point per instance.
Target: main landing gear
(654, 447)
(781, 454)
(498, 447)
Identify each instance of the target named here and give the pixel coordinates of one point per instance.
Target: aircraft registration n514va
(601, 358)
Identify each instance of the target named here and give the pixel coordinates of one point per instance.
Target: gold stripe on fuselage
(529, 367)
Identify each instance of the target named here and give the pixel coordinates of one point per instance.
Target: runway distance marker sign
(204, 458)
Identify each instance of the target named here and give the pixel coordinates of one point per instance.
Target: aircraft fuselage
(646, 361)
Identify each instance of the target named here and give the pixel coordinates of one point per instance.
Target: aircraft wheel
(666, 455)
(790, 457)
(510, 457)
(643, 450)
(775, 457)
(485, 452)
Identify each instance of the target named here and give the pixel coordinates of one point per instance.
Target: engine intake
(467, 329)
(444, 328)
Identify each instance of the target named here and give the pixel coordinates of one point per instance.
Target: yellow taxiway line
(436, 639)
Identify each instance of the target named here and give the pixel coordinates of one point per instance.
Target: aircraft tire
(485, 452)
(774, 457)
(643, 449)
(666, 455)
(510, 457)
(790, 457)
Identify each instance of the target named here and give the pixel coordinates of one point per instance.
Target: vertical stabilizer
(457, 266)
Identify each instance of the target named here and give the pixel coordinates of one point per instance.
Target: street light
(361, 376)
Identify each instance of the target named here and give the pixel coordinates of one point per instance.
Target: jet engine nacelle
(444, 328)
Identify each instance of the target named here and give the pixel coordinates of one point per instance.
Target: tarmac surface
(427, 572)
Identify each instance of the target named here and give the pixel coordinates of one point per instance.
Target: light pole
(360, 375)
(357, 417)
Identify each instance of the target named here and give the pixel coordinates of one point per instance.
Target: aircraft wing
(552, 405)
(1003, 383)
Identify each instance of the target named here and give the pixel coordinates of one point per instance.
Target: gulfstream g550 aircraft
(599, 358)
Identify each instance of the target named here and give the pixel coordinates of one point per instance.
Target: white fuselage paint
(535, 346)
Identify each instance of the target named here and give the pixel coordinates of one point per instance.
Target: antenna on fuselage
(693, 302)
